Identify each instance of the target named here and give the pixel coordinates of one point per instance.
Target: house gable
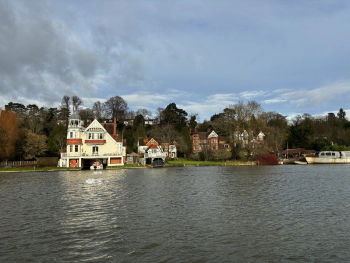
(152, 143)
(213, 134)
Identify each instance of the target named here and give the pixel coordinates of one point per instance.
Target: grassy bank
(172, 163)
(189, 162)
(31, 169)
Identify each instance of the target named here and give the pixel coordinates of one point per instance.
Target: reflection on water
(185, 214)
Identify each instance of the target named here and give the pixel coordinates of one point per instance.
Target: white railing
(73, 154)
(154, 155)
(65, 155)
(113, 154)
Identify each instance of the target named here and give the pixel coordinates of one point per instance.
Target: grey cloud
(40, 57)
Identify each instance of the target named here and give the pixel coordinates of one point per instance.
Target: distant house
(151, 151)
(130, 122)
(260, 137)
(95, 145)
(204, 141)
(224, 144)
(245, 138)
(170, 149)
(211, 141)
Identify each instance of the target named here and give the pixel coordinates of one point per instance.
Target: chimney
(115, 127)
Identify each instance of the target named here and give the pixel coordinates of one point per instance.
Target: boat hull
(299, 162)
(318, 160)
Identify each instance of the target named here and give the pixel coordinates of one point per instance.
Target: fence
(10, 164)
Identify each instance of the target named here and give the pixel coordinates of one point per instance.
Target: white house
(152, 152)
(92, 146)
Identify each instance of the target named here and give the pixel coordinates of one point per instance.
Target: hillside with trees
(28, 131)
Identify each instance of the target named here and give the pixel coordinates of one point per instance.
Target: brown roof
(293, 151)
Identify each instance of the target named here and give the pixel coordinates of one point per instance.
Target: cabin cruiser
(329, 157)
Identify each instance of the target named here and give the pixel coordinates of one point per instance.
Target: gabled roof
(261, 134)
(213, 134)
(95, 126)
(293, 151)
(194, 131)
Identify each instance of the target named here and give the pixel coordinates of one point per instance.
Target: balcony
(155, 155)
(95, 141)
(74, 141)
(94, 154)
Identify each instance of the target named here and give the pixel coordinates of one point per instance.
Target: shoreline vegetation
(174, 163)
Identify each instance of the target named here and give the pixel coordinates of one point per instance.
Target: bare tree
(116, 107)
(99, 110)
(159, 115)
(65, 101)
(145, 113)
(76, 102)
(86, 114)
(130, 115)
(65, 111)
(245, 112)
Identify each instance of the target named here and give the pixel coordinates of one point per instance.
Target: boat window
(328, 154)
(333, 154)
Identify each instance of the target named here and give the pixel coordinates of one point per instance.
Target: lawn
(184, 162)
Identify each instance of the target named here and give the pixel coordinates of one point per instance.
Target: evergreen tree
(139, 133)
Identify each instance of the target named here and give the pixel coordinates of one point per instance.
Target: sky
(292, 57)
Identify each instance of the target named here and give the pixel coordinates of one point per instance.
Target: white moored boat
(329, 157)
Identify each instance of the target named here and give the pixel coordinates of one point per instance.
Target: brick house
(204, 141)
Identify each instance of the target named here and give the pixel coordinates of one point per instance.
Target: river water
(285, 213)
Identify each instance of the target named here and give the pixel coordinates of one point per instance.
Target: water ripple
(184, 214)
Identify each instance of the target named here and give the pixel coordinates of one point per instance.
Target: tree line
(28, 131)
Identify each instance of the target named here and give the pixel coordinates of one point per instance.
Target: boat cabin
(334, 154)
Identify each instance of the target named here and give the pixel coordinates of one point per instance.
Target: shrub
(47, 161)
(267, 159)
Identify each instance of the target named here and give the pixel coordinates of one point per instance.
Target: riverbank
(174, 163)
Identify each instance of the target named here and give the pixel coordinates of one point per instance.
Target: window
(76, 148)
(100, 136)
(71, 135)
(95, 150)
(71, 148)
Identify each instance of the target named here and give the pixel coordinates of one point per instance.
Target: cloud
(248, 95)
(203, 56)
(315, 97)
